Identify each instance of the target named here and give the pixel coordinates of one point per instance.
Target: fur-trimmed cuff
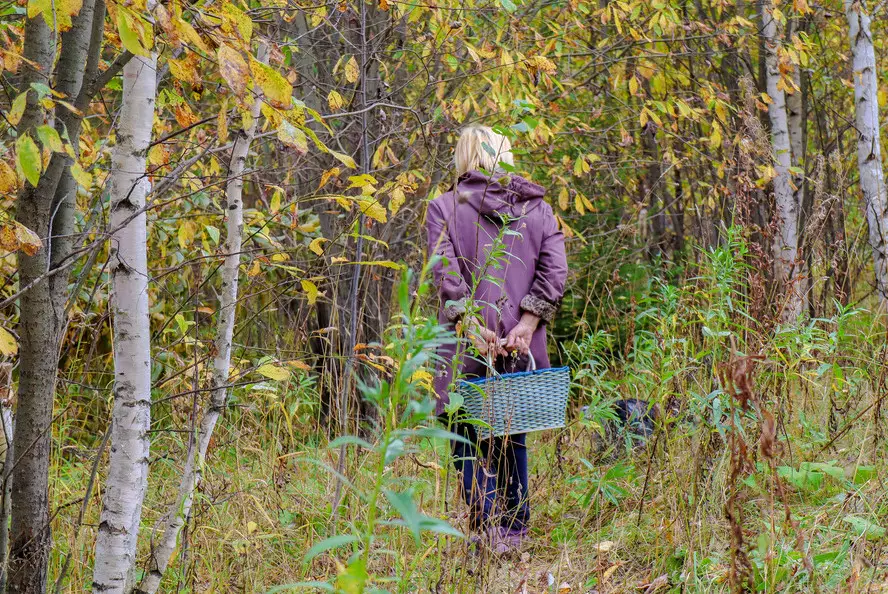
(539, 307)
(454, 310)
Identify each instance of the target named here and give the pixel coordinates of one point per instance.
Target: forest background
(214, 308)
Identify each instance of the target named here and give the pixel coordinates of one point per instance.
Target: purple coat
(462, 226)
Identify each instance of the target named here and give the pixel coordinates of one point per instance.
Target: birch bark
(128, 466)
(786, 240)
(869, 150)
(170, 525)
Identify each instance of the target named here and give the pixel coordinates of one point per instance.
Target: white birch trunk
(170, 525)
(128, 467)
(869, 150)
(786, 239)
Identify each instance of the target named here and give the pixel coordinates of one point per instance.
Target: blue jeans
(494, 478)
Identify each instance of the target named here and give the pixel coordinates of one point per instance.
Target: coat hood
(493, 194)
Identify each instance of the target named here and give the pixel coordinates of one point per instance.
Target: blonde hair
(471, 152)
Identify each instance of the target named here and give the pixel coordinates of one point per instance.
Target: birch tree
(170, 525)
(128, 466)
(869, 150)
(786, 240)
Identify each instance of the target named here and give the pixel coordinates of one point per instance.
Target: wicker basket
(522, 402)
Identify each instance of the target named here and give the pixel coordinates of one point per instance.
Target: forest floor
(606, 517)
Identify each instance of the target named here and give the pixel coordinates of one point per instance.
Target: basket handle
(531, 362)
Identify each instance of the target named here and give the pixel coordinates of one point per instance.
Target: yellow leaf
(311, 291)
(633, 86)
(715, 138)
(276, 199)
(315, 245)
(335, 101)
(344, 159)
(274, 372)
(36, 7)
(383, 263)
(325, 177)
(80, 176)
(351, 70)
(8, 345)
(564, 199)
(397, 201)
(297, 364)
(254, 269)
(8, 180)
(186, 233)
(8, 240)
(278, 92)
(17, 108)
(235, 23)
(222, 121)
(186, 31)
(183, 70)
(233, 69)
(29, 242)
(251, 527)
(293, 136)
(373, 209)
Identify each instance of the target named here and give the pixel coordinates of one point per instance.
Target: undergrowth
(765, 469)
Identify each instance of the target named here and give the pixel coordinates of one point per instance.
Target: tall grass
(780, 426)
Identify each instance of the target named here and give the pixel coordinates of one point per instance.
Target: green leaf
(352, 580)
(213, 232)
(328, 544)
(50, 138)
(128, 36)
(414, 520)
(27, 157)
(864, 527)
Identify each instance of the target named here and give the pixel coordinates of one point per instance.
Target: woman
(500, 280)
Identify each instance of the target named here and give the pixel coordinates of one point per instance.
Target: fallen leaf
(610, 571)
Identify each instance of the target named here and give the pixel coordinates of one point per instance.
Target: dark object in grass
(636, 416)
(629, 419)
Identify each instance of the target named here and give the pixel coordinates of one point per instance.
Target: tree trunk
(128, 467)
(38, 332)
(869, 151)
(169, 525)
(786, 238)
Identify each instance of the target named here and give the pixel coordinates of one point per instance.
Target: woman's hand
(484, 339)
(520, 336)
